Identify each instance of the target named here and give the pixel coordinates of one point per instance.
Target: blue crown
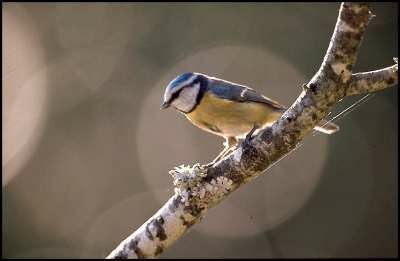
(180, 79)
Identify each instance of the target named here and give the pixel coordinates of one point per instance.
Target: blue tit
(224, 108)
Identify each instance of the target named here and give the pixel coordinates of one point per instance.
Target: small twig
(372, 81)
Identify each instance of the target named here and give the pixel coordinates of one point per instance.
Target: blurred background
(86, 150)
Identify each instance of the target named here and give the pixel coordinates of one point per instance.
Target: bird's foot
(208, 165)
(250, 134)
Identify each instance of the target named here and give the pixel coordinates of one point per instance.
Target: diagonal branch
(199, 188)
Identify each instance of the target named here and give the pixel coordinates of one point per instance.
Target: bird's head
(185, 91)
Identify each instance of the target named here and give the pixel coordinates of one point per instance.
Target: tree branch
(372, 81)
(199, 188)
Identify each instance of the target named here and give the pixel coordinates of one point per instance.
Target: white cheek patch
(187, 98)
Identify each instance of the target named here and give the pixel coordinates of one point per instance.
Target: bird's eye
(176, 94)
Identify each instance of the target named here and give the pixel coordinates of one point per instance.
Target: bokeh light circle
(24, 90)
(166, 139)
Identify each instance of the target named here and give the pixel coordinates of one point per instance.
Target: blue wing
(239, 93)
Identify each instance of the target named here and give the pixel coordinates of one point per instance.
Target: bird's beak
(164, 105)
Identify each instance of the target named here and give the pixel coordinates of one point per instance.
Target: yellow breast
(228, 118)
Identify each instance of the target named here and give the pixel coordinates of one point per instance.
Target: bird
(230, 110)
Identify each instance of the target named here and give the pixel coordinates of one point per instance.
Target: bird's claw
(208, 165)
(250, 134)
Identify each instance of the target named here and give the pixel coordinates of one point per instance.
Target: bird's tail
(326, 127)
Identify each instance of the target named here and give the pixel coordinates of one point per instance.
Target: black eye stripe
(176, 94)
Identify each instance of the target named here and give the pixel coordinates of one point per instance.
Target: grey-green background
(86, 150)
